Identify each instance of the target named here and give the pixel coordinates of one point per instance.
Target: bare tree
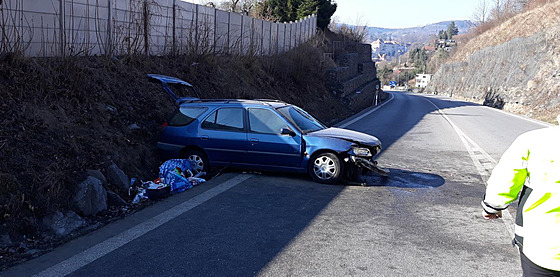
(239, 6)
(505, 9)
(357, 31)
(481, 12)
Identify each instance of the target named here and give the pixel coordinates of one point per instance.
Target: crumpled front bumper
(369, 165)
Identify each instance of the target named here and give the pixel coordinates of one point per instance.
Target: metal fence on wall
(154, 27)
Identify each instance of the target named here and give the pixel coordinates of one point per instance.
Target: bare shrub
(14, 27)
(357, 32)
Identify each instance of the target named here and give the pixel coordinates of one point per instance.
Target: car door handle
(254, 140)
(204, 137)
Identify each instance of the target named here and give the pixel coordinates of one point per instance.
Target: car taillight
(164, 125)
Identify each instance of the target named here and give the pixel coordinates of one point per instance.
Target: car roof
(217, 102)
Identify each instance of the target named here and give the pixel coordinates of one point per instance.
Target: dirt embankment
(61, 117)
(514, 66)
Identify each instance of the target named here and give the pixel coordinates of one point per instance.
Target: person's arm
(507, 179)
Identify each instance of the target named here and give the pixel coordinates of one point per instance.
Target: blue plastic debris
(176, 173)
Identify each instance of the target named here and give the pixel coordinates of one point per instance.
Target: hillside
(513, 66)
(416, 34)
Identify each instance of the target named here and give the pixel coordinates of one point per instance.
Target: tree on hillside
(293, 6)
(442, 34)
(239, 6)
(324, 8)
(292, 10)
(452, 30)
(419, 57)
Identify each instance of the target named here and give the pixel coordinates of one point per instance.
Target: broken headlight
(360, 152)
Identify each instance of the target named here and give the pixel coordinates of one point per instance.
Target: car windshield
(300, 118)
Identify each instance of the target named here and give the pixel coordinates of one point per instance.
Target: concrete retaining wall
(155, 27)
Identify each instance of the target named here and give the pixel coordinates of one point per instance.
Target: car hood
(348, 135)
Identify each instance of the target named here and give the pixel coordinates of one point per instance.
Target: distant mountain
(416, 34)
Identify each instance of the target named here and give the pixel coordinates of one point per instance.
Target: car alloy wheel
(326, 168)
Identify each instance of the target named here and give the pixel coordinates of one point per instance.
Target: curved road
(424, 220)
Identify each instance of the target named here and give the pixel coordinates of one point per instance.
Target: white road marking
(483, 162)
(546, 124)
(103, 248)
(344, 125)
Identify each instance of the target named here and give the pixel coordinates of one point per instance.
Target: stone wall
(355, 80)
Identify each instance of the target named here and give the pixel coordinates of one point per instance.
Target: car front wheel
(325, 168)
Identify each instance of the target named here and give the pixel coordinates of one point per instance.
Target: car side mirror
(287, 131)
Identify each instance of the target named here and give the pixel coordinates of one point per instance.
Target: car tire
(198, 159)
(325, 168)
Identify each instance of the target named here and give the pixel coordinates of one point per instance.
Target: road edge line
(507, 218)
(346, 124)
(105, 247)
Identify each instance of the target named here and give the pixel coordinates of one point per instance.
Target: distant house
(387, 49)
(446, 44)
(430, 48)
(422, 80)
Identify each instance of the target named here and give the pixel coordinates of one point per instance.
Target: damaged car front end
(355, 150)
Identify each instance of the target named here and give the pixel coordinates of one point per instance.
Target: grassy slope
(56, 121)
(522, 25)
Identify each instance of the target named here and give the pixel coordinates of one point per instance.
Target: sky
(402, 13)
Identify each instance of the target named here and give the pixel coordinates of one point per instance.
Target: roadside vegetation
(63, 116)
(495, 23)
(448, 45)
(281, 10)
(509, 61)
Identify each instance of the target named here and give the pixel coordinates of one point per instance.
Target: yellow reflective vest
(530, 170)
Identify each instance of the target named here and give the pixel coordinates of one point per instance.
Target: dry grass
(535, 20)
(55, 122)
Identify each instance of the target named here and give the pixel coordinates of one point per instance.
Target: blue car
(261, 135)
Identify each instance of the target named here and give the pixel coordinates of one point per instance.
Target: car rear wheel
(325, 168)
(198, 160)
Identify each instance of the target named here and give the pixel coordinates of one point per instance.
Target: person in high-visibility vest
(531, 165)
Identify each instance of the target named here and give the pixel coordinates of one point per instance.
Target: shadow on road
(240, 232)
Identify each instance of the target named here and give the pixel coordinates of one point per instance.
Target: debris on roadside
(174, 176)
(177, 173)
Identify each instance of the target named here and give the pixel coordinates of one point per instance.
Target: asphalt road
(424, 220)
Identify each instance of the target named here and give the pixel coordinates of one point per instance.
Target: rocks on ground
(63, 224)
(91, 197)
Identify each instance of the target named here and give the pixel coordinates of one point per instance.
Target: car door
(223, 136)
(267, 146)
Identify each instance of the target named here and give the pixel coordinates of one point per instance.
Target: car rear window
(185, 115)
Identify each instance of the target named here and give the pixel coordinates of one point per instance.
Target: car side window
(265, 121)
(226, 119)
(185, 115)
